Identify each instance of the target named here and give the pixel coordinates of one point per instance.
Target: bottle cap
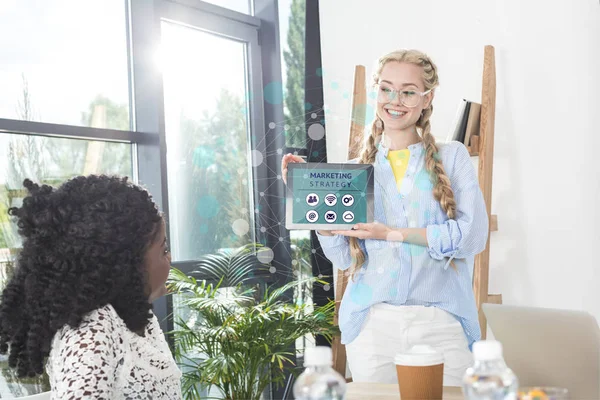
(420, 355)
(318, 356)
(487, 350)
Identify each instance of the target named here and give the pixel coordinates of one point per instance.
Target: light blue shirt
(400, 273)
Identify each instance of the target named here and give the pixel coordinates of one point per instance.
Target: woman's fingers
(285, 160)
(297, 159)
(290, 158)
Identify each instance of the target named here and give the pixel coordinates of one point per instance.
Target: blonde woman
(411, 270)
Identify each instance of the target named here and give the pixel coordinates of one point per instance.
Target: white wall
(546, 172)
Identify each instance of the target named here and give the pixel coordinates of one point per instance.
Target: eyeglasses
(408, 97)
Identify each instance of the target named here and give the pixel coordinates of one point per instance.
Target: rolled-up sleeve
(337, 250)
(467, 234)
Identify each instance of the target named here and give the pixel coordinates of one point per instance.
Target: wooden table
(385, 391)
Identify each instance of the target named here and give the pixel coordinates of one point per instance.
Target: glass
(12, 386)
(292, 16)
(543, 393)
(191, 319)
(61, 59)
(208, 146)
(301, 270)
(408, 97)
(243, 6)
(50, 161)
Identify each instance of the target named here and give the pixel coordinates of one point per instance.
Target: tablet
(328, 196)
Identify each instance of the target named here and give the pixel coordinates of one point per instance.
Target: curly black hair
(84, 247)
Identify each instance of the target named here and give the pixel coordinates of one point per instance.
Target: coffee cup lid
(420, 355)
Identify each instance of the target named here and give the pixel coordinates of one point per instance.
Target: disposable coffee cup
(420, 373)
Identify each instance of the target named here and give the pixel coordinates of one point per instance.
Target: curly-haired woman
(94, 257)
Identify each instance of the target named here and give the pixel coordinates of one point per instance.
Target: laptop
(547, 347)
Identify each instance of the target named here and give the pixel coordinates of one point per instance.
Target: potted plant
(237, 338)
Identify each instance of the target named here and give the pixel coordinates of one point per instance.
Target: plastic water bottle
(319, 381)
(489, 378)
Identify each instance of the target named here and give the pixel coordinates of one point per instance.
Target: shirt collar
(382, 151)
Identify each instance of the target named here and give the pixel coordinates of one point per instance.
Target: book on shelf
(472, 123)
(455, 126)
(466, 122)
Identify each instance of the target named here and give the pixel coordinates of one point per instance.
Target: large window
(171, 93)
(59, 61)
(51, 161)
(292, 26)
(64, 111)
(208, 142)
(214, 139)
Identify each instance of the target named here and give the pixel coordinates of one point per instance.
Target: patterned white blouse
(103, 359)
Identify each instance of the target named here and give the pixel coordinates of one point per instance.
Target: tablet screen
(328, 196)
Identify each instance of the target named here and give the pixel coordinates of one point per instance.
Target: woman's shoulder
(105, 315)
(103, 321)
(100, 334)
(458, 164)
(451, 149)
(452, 153)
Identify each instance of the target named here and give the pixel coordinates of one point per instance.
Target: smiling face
(401, 77)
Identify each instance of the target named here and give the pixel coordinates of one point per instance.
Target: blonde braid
(442, 191)
(367, 156)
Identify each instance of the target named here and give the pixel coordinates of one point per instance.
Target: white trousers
(391, 329)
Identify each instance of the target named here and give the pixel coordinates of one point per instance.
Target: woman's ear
(428, 99)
